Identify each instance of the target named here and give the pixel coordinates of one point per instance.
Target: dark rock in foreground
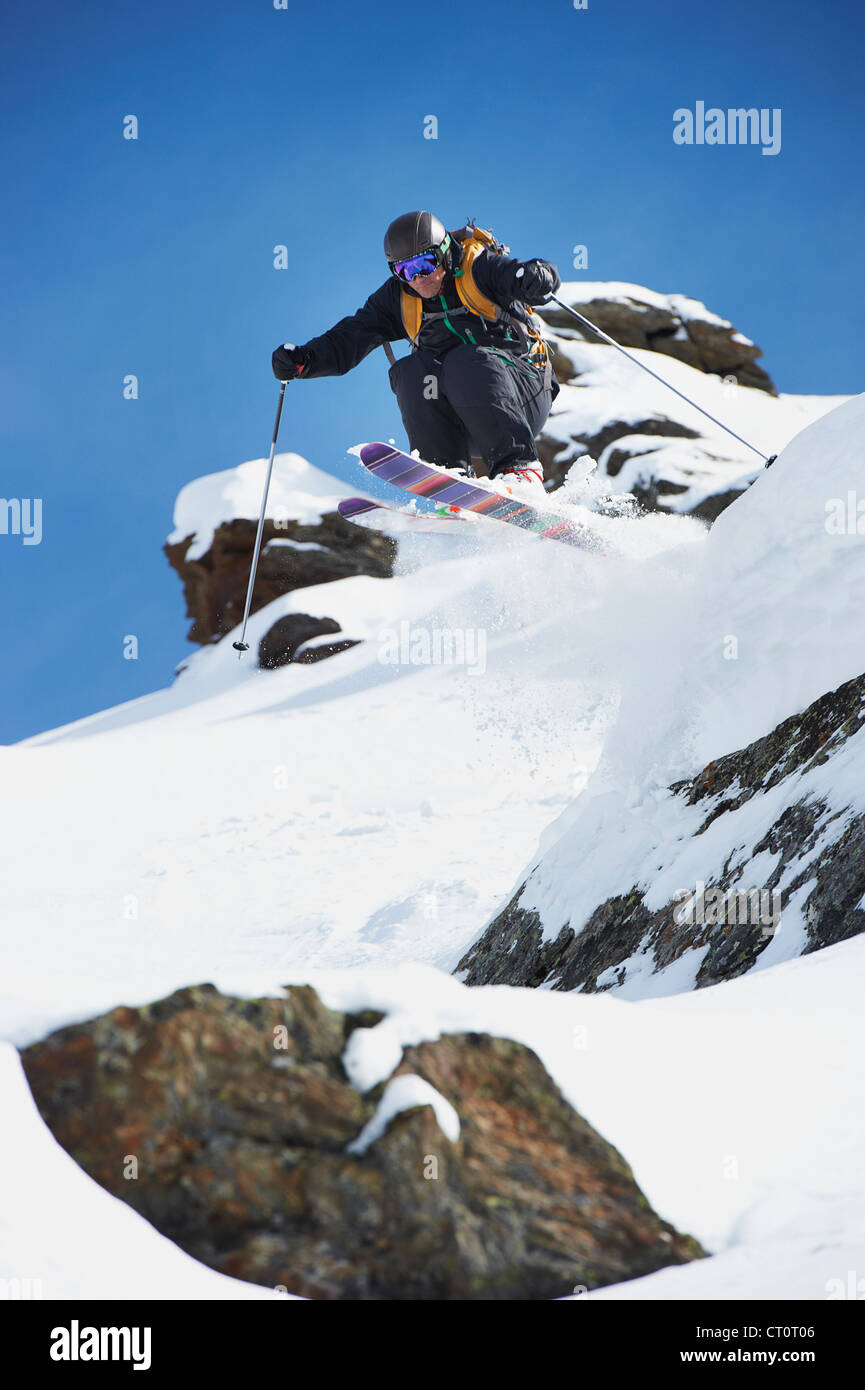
(241, 1153)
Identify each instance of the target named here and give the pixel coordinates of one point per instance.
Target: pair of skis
(458, 500)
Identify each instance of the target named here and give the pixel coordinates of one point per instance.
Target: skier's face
(427, 285)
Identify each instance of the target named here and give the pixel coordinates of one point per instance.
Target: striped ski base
(426, 480)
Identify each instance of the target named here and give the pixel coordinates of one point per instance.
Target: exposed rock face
(649, 461)
(293, 556)
(669, 325)
(659, 470)
(631, 439)
(821, 853)
(241, 1153)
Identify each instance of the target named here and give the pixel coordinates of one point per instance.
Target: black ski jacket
(509, 283)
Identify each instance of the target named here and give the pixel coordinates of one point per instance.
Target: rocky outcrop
(227, 1124)
(673, 325)
(646, 456)
(820, 867)
(293, 556)
(649, 461)
(615, 444)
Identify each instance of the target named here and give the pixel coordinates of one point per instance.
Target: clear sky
(304, 127)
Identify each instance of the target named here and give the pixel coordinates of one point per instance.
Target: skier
(478, 377)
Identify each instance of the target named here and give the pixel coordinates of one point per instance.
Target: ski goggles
(424, 264)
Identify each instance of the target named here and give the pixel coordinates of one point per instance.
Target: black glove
(536, 280)
(288, 362)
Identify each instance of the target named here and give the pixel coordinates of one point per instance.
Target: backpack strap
(464, 277)
(412, 311)
(478, 240)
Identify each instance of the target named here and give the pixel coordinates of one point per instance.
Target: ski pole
(242, 646)
(601, 334)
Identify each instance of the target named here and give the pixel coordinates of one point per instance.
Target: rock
(649, 461)
(592, 955)
(282, 643)
(711, 507)
(671, 324)
(241, 1153)
(557, 458)
(694, 480)
(215, 584)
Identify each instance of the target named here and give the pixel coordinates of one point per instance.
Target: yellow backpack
(475, 240)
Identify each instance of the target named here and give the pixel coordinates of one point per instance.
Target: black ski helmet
(413, 233)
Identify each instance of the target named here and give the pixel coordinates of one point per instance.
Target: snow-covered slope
(253, 828)
(347, 812)
(769, 622)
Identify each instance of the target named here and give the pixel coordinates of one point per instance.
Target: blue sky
(304, 127)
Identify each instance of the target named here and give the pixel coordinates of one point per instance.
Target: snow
(406, 1092)
(354, 823)
(298, 491)
(813, 1265)
(294, 545)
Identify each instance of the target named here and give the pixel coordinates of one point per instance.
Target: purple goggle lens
(424, 264)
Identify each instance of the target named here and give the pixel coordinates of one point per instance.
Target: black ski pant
(471, 399)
